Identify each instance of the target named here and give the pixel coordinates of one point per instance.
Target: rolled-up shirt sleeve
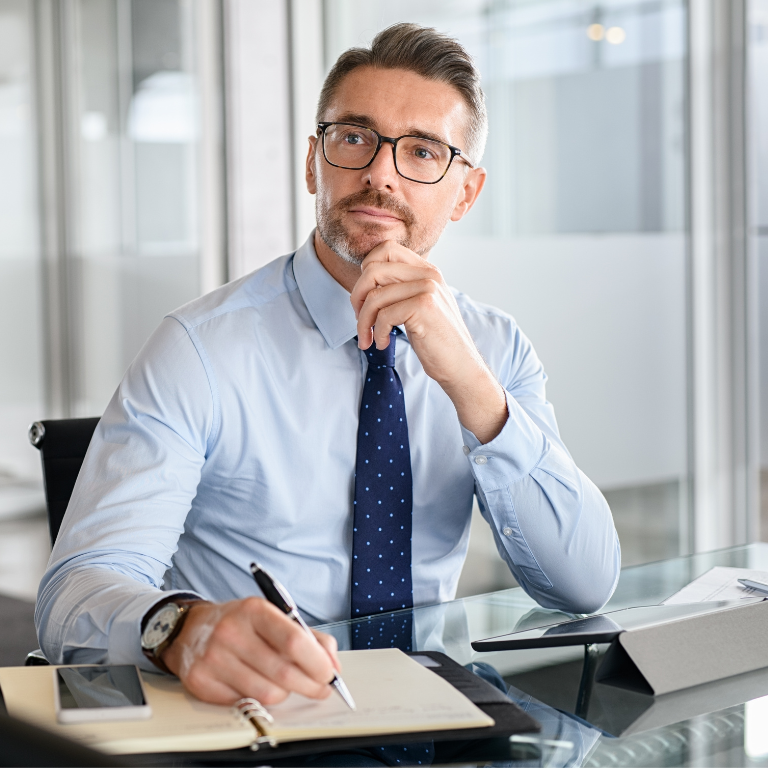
(129, 505)
(550, 522)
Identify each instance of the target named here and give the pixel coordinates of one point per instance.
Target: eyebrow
(368, 122)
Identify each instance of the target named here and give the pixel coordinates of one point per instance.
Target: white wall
(606, 316)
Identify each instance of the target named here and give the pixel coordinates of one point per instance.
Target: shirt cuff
(125, 633)
(511, 455)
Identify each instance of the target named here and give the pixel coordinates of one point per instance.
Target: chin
(369, 235)
(366, 243)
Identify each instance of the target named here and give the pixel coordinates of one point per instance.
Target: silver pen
(758, 586)
(278, 595)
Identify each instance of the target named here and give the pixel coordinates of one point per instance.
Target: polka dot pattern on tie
(381, 539)
(392, 630)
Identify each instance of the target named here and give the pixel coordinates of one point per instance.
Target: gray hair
(428, 53)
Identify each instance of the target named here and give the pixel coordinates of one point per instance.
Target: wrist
(481, 405)
(162, 624)
(171, 656)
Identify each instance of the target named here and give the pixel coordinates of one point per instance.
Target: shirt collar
(327, 301)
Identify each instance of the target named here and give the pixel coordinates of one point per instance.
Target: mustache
(376, 199)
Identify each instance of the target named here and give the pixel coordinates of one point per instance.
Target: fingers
(331, 647)
(388, 264)
(250, 656)
(208, 688)
(222, 678)
(392, 251)
(411, 312)
(288, 639)
(372, 314)
(378, 274)
(250, 648)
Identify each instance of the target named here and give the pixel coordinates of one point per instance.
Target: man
(331, 416)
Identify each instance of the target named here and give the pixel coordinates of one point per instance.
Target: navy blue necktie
(381, 539)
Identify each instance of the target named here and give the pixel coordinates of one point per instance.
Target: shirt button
(465, 448)
(506, 531)
(481, 460)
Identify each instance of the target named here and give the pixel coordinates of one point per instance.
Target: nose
(382, 172)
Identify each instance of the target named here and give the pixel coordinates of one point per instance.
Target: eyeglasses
(355, 147)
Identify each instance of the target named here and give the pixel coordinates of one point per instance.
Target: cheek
(434, 210)
(325, 188)
(333, 184)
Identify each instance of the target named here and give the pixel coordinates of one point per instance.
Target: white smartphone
(100, 692)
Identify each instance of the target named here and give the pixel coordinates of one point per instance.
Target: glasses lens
(422, 159)
(349, 146)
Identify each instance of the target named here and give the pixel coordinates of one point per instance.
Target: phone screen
(99, 687)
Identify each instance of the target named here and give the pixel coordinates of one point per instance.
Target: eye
(355, 138)
(422, 152)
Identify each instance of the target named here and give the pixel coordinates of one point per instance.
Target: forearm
(551, 524)
(92, 614)
(479, 400)
(563, 551)
(128, 507)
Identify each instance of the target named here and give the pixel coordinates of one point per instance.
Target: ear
(473, 184)
(310, 176)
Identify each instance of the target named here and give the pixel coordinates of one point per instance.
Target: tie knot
(382, 357)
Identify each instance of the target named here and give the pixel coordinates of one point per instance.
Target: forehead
(398, 102)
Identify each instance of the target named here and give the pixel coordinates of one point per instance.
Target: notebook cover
(508, 717)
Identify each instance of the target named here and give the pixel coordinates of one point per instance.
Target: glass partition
(581, 230)
(758, 163)
(134, 107)
(110, 172)
(22, 390)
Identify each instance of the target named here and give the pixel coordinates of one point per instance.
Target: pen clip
(289, 601)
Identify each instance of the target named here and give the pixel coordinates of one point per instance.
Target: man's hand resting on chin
(399, 287)
(228, 651)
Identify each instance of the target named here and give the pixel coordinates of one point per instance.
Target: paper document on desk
(394, 695)
(719, 583)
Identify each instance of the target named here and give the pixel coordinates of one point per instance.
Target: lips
(377, 213)
(374, 206)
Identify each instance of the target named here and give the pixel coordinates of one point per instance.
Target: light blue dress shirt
(232, 438)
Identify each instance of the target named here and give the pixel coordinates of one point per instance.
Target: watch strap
(184, 604)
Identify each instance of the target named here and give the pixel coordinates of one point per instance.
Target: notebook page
(393, 693)
(179, 722)
(719, 583)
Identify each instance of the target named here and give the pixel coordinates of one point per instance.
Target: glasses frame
(455, 151)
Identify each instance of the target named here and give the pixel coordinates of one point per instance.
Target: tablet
(602, 628)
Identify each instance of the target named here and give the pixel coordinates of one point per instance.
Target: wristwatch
(161, 627)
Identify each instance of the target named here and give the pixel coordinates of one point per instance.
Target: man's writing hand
(398, 287)
(228, 651)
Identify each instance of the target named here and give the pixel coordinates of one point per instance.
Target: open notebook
(394, 694)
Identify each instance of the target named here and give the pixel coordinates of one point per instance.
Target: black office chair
(62, 444)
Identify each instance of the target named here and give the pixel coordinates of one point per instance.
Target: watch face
(160, 626)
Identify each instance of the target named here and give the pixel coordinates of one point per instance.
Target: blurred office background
(151, 150)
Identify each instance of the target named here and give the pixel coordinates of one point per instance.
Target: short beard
(335, 235)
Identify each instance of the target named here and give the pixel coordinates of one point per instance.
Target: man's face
(357, 210)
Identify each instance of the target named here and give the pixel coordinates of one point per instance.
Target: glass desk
(719, 724)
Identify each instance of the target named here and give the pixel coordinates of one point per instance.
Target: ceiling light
(595, 32)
